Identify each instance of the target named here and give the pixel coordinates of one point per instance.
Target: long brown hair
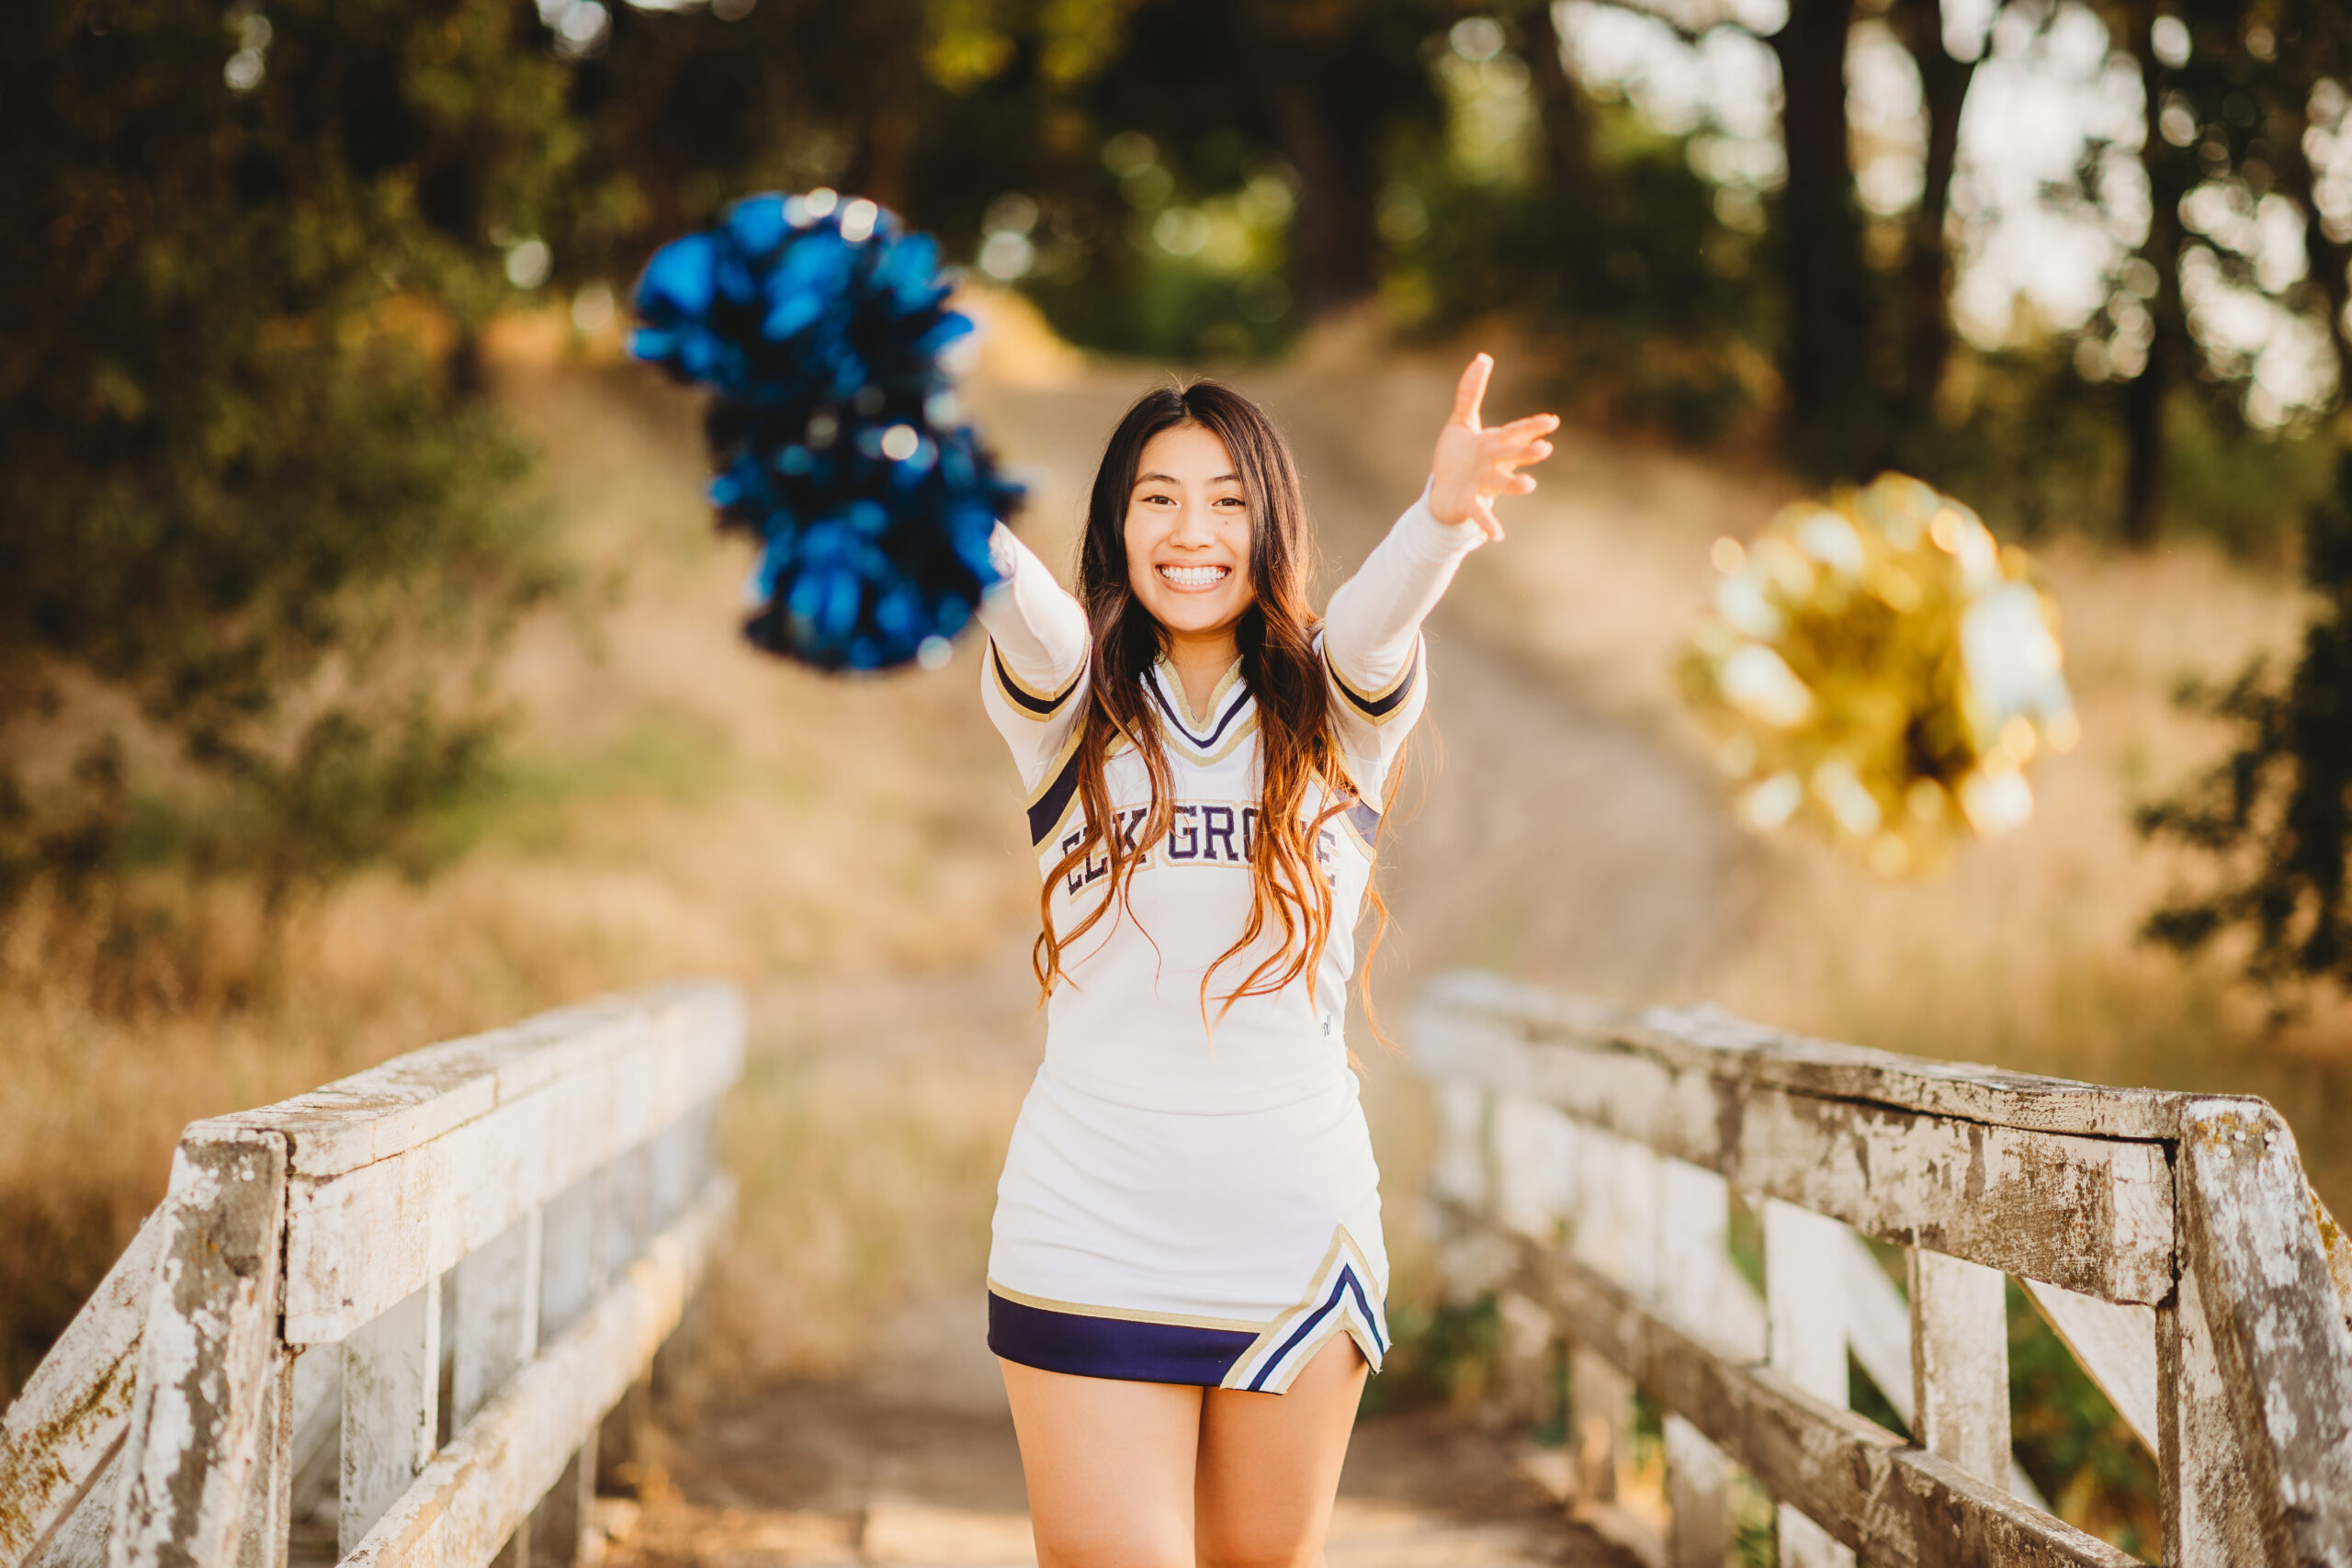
(1297, 747)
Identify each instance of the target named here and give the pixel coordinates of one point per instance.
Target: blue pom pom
(822, 345)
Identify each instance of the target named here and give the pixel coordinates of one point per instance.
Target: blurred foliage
(256, 523)
(1441, 1355)
(2277, 812)
(1648, 308)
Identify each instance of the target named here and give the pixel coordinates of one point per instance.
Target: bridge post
(1694, 1266)
(2207, 1521)
(1532, 1158)
(1805, 1309)
(1615, 1197)
(2253, 1424)
(210, 1358)
(1960, 1363)
(265, 1530)
(497, 1288)
(580, 1234)
(391, 1385)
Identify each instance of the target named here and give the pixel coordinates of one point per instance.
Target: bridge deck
(818, 1474)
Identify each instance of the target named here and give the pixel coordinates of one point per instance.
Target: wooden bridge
(406, 1301)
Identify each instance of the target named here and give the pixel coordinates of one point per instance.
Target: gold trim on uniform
(1365, 701)
(1174, 686)
(1024, 699)
(1127, 1315)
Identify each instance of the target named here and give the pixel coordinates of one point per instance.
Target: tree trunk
(1828, 357)
(1927, 271)
(1568, 127)
(1327, 136)
(2147, 450)
(886, 148)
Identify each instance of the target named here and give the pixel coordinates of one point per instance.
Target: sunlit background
(369, 672)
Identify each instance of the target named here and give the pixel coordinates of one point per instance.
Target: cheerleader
(1186, 1283)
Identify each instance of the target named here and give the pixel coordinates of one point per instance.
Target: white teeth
(1195, 575)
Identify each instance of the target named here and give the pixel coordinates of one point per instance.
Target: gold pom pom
(1878, 666)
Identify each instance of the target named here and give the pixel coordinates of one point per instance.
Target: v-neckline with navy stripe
(1202, 733)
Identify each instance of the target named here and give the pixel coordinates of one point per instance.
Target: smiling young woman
(1187, 1278)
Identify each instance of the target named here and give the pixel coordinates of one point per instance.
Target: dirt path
(1553, 842)
(879, 1473)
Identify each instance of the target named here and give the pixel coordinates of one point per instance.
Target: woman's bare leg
(1270, 1465)
(1110, 1466)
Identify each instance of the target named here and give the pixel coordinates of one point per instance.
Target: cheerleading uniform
(1180, 1203)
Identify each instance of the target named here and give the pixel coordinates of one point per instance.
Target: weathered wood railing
(414, 1292)
(1587, 1160)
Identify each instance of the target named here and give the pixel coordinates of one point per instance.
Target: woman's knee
(1261, 1549)
(1116, 1546)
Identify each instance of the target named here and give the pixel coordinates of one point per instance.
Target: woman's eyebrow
(1171, 479)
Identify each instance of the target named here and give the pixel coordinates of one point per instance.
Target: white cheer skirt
(1221, 1248)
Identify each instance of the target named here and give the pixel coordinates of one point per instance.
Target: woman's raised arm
(1032, 677)
(1372, 631)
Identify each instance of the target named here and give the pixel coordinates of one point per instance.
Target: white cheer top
(1176, 1182)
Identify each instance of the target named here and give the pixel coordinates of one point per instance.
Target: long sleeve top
(1126, 1020)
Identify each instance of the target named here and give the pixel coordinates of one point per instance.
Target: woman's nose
(1193, 527)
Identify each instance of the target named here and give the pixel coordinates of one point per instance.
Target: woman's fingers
(1485, 465)
(1471, 390)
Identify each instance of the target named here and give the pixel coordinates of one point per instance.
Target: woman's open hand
(1474, 464)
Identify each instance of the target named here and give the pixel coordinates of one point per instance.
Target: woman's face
(1188, 533)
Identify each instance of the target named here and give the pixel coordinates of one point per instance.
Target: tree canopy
(255, 499)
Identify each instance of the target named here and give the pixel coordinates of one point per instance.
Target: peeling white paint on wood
(68, 1420)
(1709, 1042)
(1960, 1363)
(2255, 1251)
(1896, 1506)
(417, 1099)
(1611, 1189)
(1694, 1287)
(498, 1315)
(484, 1483)
(80, 1542)
(391, 1381)
(349, 1253)
(267, 1516)
(2208, 1506)
(2107, 1203)
(1805, 1312)
(1877, 1331)
(208, 1353)
(339, 1219)
(2337, 1246)
(2092, 1213)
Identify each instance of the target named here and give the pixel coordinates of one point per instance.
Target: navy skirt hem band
(1087, 1346)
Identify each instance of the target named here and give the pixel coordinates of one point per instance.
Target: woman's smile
(1192, 579)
